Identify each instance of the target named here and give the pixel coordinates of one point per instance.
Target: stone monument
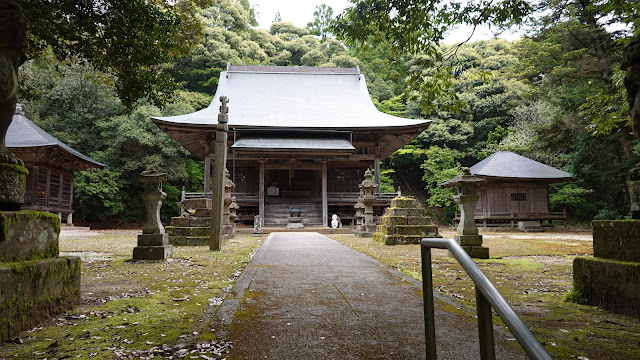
(153, 243)
(368, 198)
(35, 283)
(257, 228)
(466, 199)
(404, 223)
(611, 278)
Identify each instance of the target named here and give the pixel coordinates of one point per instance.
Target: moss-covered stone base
(32, 291)
(612, 284)
(13, 180)
(404, 223)
(28, 235)
(616, 239)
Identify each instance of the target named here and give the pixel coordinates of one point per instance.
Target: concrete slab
(305, 296)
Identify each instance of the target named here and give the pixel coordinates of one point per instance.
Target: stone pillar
(219, 166)
(359, 217)
(12, 44)
(153, 243)
(466, 199)
(368, 198)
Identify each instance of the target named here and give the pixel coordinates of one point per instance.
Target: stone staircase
(530, 226)
(276, 211)
(192, 230)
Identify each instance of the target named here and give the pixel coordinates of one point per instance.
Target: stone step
(187, 231)
(188, 240)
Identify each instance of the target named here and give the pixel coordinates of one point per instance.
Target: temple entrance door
(293, 188)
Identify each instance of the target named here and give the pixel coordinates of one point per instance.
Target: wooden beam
(376, 168)
(325, 209)
(261, 193)
(207, 174)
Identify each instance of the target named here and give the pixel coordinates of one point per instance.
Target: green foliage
(99, 194)
(422, 27)
(441, 165)
(572, 198)
(386, 182)
(394, 106)
(128, 38)
(322, 20)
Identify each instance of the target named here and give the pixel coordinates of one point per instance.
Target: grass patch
(533, 271)
(136, 305)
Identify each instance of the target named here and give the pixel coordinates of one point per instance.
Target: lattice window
(344, 179)
(54, 189)
(518, 196)
(41, 198)
(304, 175)
(279, 176)
(247, 179)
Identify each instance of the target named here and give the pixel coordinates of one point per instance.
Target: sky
(300, 12)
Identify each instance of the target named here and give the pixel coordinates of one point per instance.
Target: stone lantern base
(472, 244)
(152, 247)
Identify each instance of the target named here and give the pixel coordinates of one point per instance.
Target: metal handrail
(487, 296)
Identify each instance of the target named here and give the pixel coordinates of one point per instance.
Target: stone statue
(13, 25)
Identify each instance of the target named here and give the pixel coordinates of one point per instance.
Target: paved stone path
(305, 296)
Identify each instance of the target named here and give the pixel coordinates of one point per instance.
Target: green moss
(13, 168)
(575, 296)
(47, 217)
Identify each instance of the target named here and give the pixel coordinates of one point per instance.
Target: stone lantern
(367, 186)
(359, 206)
(233, 214)
(227, 222)
(466, 199)
(153, 243)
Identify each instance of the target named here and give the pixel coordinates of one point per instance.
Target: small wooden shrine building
(515, 188)
(51, 165)
(298, 136)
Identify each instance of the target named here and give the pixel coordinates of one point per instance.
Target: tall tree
(129, 38)
(322, 19)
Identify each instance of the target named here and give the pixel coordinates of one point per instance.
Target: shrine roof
(505, 164)
(23, 133)
(293, 97)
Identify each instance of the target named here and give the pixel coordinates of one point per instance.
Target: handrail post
(427, 293)
(485, 327)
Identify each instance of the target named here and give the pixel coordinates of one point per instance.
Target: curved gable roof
(293, 97)
(505, 164)
(23, 133)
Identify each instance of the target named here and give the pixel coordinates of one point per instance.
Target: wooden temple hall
(298, 137)
(51, 164)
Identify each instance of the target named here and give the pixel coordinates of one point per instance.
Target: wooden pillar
(207, 174)
(60, 187)
(325, 207)
(261, 193)
(376, 169)
(34, 185)
(219, 165)
(70, 199)
(48, 191)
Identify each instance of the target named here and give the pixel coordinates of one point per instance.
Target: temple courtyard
(304, 295)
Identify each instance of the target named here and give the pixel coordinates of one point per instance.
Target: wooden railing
(331, 196)
(510, 218)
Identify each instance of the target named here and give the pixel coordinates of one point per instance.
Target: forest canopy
(99, 70)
